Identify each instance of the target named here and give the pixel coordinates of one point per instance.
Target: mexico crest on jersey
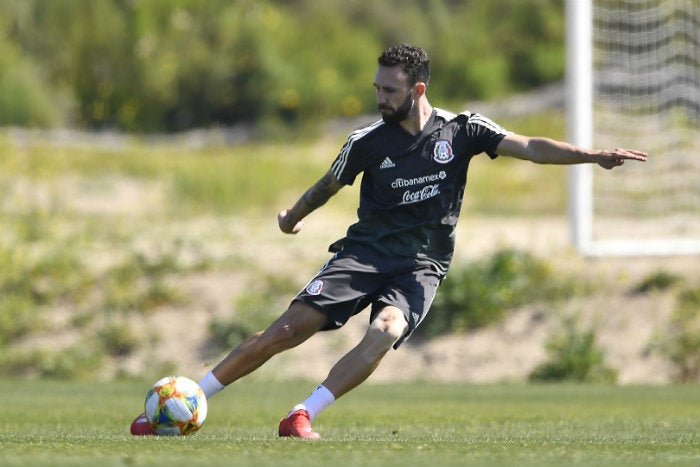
(442, 153)
(315, 287)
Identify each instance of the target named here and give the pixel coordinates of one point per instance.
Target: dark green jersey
(412, 185)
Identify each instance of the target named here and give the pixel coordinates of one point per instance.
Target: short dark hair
(413, 60)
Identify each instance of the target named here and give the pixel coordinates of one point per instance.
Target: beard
(400, 114)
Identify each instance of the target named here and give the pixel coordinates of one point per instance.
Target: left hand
(611, 158)
(285, 225)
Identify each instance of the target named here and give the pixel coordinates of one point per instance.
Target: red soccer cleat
(140, 426)
(297, 425)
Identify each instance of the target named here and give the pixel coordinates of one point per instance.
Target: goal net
(634, 77)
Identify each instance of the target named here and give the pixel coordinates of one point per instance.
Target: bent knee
(390, 323)
(388, 327)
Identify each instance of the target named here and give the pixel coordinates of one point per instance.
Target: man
(414, 164)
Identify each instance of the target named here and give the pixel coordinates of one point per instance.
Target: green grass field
(56, 423)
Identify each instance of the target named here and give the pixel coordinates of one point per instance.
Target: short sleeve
(350, 161)
(486, 133)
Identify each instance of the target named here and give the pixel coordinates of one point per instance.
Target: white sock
(317, 401)
(210, 385)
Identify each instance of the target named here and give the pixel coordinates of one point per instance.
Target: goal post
(633, 80)
(579, 104)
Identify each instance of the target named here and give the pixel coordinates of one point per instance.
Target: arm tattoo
(320, 192)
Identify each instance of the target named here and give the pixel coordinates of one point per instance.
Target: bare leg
(359, 363)
(292, 328)
(351, 370)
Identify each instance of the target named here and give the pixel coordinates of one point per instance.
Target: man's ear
(420, 88)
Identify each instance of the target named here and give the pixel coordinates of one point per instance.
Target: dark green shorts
(358, 276)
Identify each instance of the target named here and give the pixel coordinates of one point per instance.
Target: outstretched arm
(291, 220)
(549, 151)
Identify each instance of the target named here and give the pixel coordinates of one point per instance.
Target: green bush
(253, 312)
(139, 283)
(26, 99)
(657, 281)
(681, 342)
(80, 361)
(31, 280)
(574, 356)
(117, 339)
(163, 65)
(481, 293)
(18, 317)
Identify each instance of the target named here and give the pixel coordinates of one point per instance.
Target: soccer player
(414, 165)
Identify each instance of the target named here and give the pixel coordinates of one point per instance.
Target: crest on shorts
(315, 287)
(442, 152)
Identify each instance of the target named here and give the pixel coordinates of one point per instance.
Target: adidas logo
(387, 163)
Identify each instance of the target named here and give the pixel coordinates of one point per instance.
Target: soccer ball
(175, 405)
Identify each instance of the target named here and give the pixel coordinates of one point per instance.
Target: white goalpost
(633, 79)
